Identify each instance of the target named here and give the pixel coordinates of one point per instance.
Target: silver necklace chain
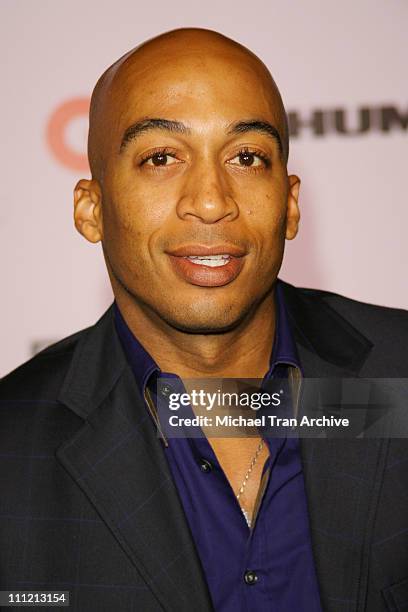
(246, 478)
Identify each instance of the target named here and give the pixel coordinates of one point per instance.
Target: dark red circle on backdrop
(57, 130)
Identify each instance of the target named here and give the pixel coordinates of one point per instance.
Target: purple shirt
(268, 568)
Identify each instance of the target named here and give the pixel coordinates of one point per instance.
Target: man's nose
(207, 195)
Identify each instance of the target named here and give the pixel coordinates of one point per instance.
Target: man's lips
(207, 266)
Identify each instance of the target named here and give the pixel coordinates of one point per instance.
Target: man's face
(195, 211)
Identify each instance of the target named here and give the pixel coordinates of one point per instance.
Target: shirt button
(166, 390)
(250, 577)
(205, 466)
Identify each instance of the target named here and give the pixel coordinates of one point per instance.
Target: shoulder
(33, 397)
(30, 412)
(331, 318)
(41, 377)
(372, 320)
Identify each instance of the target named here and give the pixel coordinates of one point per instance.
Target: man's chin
(203, 327)
(206, 322)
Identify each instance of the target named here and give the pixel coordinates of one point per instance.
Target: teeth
(212, 261)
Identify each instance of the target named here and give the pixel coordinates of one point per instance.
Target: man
(192, 203)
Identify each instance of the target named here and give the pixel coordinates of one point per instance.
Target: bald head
(179, 55)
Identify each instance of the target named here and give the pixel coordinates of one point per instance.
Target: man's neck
(241, 352)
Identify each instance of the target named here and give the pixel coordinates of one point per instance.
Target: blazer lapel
(342, 476)
(118, 461)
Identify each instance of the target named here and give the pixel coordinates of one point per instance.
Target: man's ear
(292, 211)
(88, 209)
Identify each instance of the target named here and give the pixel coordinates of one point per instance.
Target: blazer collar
(97, 364)
(328, 344)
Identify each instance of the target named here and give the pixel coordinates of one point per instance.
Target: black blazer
(88, 505)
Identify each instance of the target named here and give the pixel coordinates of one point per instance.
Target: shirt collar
(284, 351)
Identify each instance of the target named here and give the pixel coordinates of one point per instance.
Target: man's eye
(160, 159)
(246, 158)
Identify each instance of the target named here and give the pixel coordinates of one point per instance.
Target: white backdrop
(324, 55)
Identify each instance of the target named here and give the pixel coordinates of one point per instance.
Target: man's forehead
(194, 90)
(187, 72)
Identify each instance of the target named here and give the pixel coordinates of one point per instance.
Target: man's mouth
(207, 266)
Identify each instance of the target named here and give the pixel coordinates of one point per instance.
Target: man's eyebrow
(256, 125)
(145, 125)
